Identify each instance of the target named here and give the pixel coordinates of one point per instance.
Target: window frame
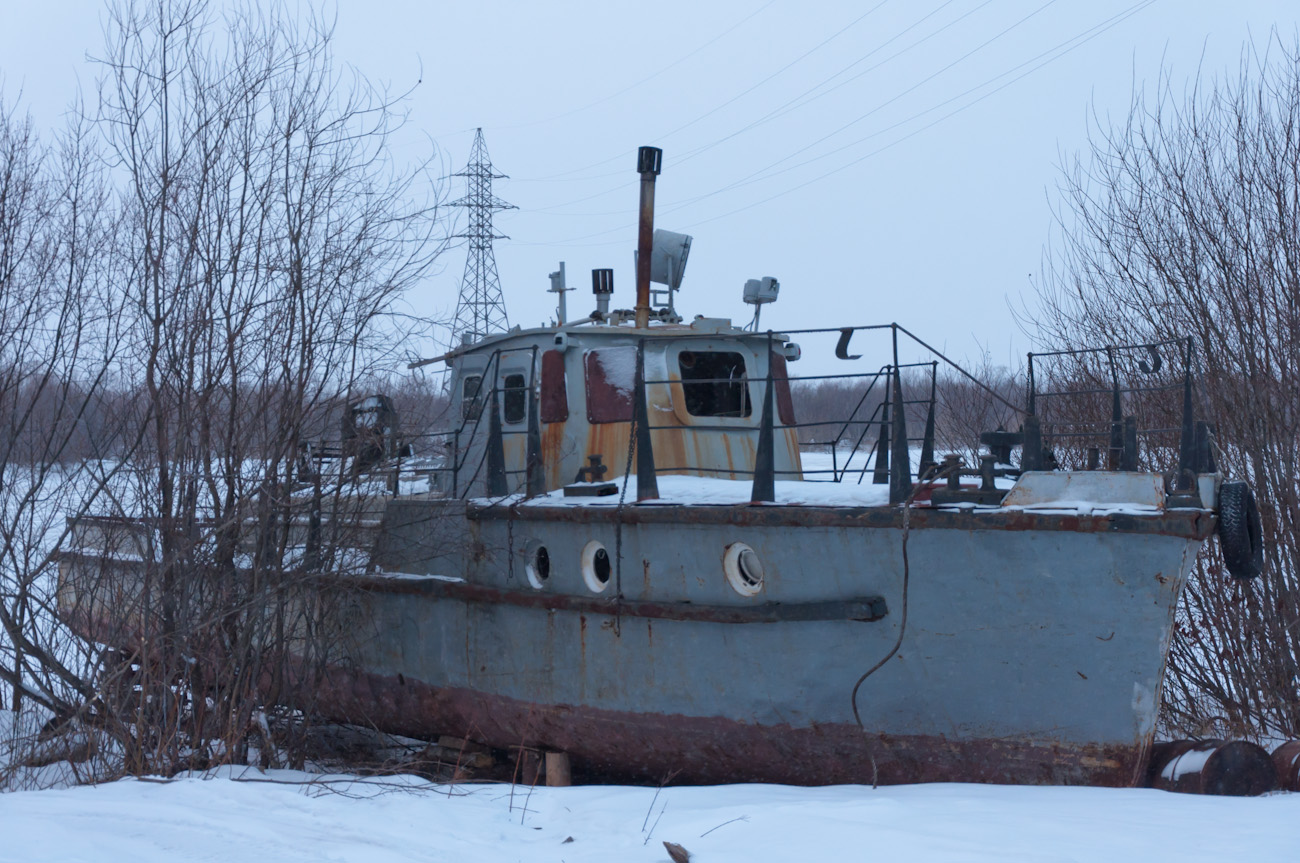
(471, 408)
(606, 403)
(672, 356)
(511, 394)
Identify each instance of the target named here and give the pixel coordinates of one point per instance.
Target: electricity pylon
(481, 309)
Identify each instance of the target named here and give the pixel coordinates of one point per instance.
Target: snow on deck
(274, 818)
(703, 490)
(710, 491)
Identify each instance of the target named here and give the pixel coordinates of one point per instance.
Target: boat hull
(646, 747)
(1033, 651)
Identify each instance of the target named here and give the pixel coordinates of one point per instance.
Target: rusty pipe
(648, 163)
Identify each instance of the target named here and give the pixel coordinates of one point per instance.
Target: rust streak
(627, 746)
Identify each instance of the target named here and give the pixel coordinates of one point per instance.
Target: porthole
(538, 567)
(596, 566)
(744, 569)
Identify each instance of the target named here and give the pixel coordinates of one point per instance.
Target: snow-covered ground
(268, 818)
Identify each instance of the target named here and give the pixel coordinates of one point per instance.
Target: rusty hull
(1034, 647)
(623, 746)
(1033, 652)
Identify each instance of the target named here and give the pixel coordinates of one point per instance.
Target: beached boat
(625, 555)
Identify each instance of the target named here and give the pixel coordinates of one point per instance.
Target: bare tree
(1185, 220)
(61, 340)
(258, 239)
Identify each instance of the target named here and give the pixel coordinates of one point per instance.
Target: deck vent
(595, 566)
(538, 567)
(744, 569)
(602, 285)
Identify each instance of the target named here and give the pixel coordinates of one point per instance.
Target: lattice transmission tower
(481, 309)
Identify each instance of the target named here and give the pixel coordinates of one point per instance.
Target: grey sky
(885, 160)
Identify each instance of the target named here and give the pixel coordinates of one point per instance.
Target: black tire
(1239, 531)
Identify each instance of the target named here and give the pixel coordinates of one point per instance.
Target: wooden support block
(460, 744)
(558, 774)
(528, 766)
(475, 760)
(467, 758)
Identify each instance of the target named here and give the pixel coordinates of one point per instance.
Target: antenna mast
(481, 309)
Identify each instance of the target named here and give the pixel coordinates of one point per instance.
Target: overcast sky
(887, 161)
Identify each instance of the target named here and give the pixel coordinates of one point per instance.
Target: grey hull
(1033, 651)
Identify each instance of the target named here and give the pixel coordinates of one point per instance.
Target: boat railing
(1121, 407)
(868, 440)
(446, 458)
(459, 469)
(871, 438)
(1064, 391)
(857, 442)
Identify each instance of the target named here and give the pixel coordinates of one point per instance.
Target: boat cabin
(575, 387)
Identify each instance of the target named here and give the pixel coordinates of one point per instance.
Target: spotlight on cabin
(667, 266)
(761, 291)
(668, 258)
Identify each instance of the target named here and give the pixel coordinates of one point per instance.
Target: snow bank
(253, 816)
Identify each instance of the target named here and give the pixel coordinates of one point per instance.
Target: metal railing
(873, 437)
(1150, 389)
(876, 429)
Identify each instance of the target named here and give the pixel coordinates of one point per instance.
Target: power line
(756, 175)
(626, 89)
(1082, 40)
(778, 112)
(1052, 54)
(725, 104)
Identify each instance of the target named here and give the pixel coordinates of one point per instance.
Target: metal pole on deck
(880, 472)
(1187, 443)
(764, 490)
(900, 470)
(535, 471)
(647, 482)
(1031, 447)
(927, 441)
(649, 161)
(1115, 452)
(496, 453)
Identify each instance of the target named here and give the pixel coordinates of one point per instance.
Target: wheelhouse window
(611, 377)
(516, 398)
(472, 397)
(555, 394)
(714, 383)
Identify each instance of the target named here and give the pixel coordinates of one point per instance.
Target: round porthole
(596, 566)
(743, 568)
(538, 567)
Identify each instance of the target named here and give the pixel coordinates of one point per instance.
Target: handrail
(886, 413)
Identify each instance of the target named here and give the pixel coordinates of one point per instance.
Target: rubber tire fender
(1240, 536)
